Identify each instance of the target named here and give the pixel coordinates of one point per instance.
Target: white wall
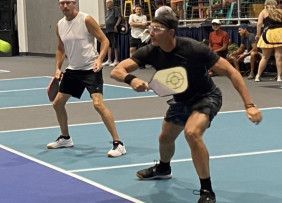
(95, 8)
(36, 26)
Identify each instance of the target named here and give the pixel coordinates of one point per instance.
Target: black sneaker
(153, 173)
(206, 197)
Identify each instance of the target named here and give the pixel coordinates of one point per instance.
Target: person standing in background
(267, 49)
(138, 23)
(113, 18)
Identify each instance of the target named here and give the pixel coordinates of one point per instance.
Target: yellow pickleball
(5, 46)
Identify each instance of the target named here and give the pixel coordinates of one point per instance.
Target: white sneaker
(61, 142)
(251, 76)
(117, 150)
(114, 63)
(279, 79)
(257, 79)
(107, 63)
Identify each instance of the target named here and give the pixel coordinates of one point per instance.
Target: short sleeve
(142, 55)
(204, 56)
(117, 13)
(130, 18)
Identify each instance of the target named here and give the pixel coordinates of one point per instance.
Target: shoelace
(196, 192)
(205, 192)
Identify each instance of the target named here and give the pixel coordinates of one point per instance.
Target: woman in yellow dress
(270, 16)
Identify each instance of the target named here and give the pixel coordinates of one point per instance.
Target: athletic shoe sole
(160, 177)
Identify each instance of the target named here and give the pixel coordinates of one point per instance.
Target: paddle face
(53, 88)
(272, 35)
(169, 81)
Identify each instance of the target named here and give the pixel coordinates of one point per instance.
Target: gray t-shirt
(248, 41)
(112, 16)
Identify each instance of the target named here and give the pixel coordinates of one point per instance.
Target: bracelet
(250, 105)
(128, 78)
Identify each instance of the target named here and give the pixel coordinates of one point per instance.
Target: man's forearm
(103, 49)
(59, 59)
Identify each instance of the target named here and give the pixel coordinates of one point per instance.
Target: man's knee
(97, 101)
(193, 135)
(58, 104)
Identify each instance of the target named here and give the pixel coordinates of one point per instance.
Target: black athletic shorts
(135, 42)
(113, 39)
(75, 81)
(179, 112)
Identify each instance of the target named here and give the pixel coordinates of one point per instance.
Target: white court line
(22, 90)
(120, 121)
(77, 102)
(178, 160)
(4, 71)
(24, 78)
(80, 124)
(45, 76)
(18, 90)
(72, 175)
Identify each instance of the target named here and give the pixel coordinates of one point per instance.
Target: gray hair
(270, 3)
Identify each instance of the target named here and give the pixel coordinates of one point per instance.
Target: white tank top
(78, 42)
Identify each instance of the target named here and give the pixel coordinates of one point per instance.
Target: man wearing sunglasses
(75, 34)
(191, 111)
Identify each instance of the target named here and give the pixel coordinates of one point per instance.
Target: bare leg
(59, 106)
(194, 129)
(116, 55)
(266, 53)
(110, 54)
(105, 114)
(278, 60)
(167, 138)
(233, 60)
(253, 61)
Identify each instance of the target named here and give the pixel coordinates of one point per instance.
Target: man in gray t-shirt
(247, 50)
(112, 17)
(112, 20)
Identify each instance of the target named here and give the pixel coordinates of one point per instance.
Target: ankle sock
(162, 167)
(66, 137)
(206, 185)
(117, 142)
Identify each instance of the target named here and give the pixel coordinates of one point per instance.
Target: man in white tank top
(76, 32)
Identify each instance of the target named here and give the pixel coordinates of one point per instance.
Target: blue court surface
(246, 159)
(32, 92)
